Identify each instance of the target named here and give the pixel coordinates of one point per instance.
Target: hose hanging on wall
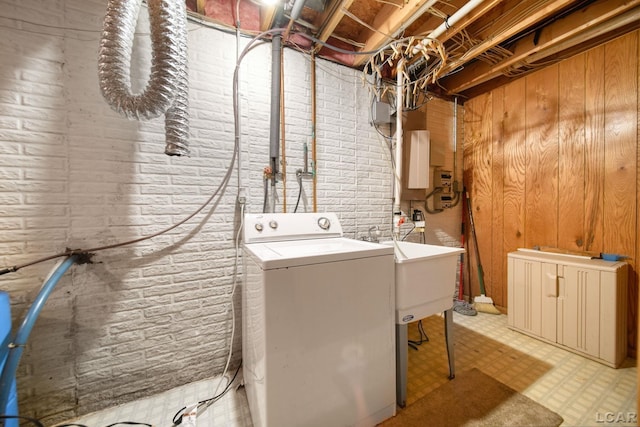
(167, 87)
(13, 350)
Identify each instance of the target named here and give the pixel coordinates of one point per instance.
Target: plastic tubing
(17, 346)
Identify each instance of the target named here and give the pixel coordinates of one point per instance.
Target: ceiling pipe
(274, 135)
(296, 10)
(276, 87)
(450, 22)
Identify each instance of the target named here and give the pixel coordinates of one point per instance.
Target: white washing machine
(318, 338)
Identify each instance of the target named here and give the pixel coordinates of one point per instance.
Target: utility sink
(425, 285)
(425, 279)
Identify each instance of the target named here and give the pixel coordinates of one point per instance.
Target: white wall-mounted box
(419, 152)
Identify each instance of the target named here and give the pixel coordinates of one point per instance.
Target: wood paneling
(571, 153)
(541, 172)
(594, 149)
(514, 168)
(479, 186)
(620, 159)
(498, 262)
(552, 160)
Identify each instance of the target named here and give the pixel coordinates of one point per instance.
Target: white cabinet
(571, 301)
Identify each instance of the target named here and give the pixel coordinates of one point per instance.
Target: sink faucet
(373, 237)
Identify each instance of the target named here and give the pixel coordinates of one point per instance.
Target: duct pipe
(167, 87)
(397, 170)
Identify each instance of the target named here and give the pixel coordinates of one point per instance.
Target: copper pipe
(314, 166)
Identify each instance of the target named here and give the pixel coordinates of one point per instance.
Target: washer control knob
(273, 224)
(324, 223)
(259, 226)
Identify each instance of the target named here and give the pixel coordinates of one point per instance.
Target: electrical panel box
(443, 179)
(381, 113)
(419, 158)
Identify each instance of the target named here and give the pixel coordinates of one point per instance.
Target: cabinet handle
(551, 285)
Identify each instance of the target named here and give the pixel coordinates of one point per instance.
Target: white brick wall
(156, 314)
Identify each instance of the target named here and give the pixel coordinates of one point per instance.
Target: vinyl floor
(582, 391)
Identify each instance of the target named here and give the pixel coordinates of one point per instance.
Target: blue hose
(14, 350)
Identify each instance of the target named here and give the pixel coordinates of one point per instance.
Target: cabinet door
(525, 295)
(579, 309)
(549, 301)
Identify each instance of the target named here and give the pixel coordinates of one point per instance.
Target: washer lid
(271, 255)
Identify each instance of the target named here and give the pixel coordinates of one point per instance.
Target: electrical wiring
(299, 178)
(177, 418)
(337, 49)
(305, 53)
(409, 232)
(231, 295)
(398, 5)
(219, 190)
(364, 24)
(118, 423)
(423, 337)
(208, 402)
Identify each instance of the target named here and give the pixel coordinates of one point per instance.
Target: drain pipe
(397, 170)
(276, 87)
(14, 349)
(274, 136)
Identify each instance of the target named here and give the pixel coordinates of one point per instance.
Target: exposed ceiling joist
(486, 42)
(497, 36)
(332, 17)
(596, 20)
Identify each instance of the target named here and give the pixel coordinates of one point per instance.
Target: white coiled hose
(167, 90)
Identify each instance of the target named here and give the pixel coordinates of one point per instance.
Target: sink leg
(402, 362)
(448, 333)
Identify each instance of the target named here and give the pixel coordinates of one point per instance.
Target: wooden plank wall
(551, 159)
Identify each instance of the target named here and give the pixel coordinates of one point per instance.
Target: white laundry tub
(425, 279)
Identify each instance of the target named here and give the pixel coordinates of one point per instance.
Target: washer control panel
(271, 227)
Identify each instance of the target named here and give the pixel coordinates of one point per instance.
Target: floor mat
(473, 398)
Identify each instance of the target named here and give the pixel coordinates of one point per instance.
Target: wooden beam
(508, 31)
(390, 21)
(598, 18)
(267, 15)
(200, 7)
(331, 17)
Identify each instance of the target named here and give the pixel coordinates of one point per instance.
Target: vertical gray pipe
(274, 147)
